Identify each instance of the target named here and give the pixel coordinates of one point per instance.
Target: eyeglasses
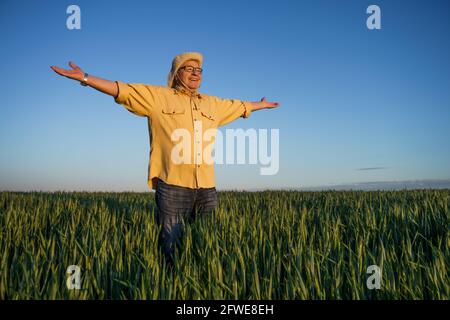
(191, 69)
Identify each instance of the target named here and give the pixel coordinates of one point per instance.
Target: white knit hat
(178, 62)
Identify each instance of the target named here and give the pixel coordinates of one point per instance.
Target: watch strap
(84, 81)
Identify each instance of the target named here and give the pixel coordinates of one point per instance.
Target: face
(192, 80)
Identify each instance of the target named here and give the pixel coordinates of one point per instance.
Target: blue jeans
(175, 205)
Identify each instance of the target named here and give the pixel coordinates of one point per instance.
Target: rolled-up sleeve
(137, 98)
(229, 110)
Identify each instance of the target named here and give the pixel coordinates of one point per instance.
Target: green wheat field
(258, 245)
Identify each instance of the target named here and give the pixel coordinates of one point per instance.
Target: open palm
(76, 72)
(268, 105)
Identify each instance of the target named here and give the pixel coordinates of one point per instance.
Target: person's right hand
(76, 73)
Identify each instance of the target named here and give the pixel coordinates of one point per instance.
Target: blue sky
(351, 98)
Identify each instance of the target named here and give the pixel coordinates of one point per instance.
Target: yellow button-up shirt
(168, 109)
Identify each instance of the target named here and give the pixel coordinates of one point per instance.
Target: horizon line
(367, 185)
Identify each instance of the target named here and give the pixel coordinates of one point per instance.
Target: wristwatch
(84, 81)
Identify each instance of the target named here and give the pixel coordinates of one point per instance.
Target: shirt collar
(180, 89)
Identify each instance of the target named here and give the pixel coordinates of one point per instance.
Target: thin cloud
(372, 168)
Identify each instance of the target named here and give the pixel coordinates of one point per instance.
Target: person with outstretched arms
(182, 123)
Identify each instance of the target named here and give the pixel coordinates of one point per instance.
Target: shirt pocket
(173, 109)
(208, 115)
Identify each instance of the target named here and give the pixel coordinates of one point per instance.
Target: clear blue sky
(351, 98)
